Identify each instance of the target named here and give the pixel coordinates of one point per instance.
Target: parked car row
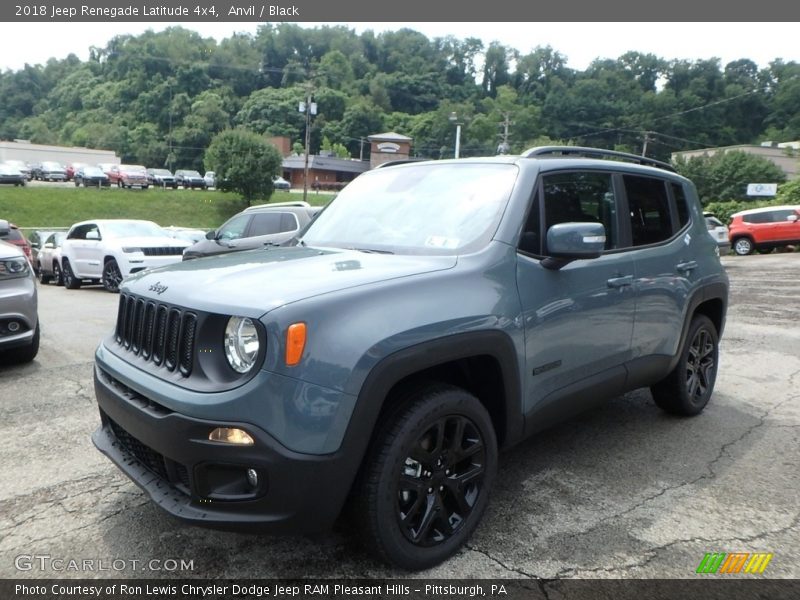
(17, 172)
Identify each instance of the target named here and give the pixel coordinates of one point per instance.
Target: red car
(764, 229)
(128, 176)
(16, 238)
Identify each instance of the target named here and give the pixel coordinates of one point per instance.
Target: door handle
(620, 282)
(686, 266)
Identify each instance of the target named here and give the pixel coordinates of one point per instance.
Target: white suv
(106, 251)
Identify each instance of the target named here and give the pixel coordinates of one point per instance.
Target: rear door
(85, 243)
(666, 265)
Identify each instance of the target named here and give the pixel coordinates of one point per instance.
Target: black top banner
(408, 10)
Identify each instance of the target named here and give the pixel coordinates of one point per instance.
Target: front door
(579, 319)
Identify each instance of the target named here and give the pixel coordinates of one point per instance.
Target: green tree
(244, 162)
(724, 176)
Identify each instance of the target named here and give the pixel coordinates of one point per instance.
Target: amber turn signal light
(295, 343)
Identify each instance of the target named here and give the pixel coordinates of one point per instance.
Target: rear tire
(70, 281)
(743, 246)
(688, 388)
(426, 478)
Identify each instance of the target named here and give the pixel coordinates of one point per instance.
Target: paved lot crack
(501, 563)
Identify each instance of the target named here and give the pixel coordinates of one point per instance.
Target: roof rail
(271, 204)
(597, 153)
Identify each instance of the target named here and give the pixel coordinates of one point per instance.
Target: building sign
(762, 189)
(389, 147)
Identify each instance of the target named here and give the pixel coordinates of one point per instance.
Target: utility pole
(308, 107)
(644, 146)
(361, 151)
(504, 146)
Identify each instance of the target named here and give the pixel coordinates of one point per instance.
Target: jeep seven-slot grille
(163, 251)
(157, 332)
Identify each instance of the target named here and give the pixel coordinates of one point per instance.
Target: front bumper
(169, 456)
(18, 303)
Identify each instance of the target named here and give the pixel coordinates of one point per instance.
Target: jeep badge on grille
(158, 288)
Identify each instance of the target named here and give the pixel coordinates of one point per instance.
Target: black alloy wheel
(112, 276)
(57, 277)
(427, 476)
(440, 480)
(70, 281)
(688, 388)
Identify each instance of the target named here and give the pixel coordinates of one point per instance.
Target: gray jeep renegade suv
(434, 313)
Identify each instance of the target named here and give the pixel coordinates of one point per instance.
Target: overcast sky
(35, 43)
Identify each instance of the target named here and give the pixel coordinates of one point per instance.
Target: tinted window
(780, 216)
(680, 204)
(79, 233)
(650, 219)
(234, 229)
(762, 217)
(581, 198)
(267, 223)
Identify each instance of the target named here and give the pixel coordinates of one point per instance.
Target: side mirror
(792, 218)
(567, 242)
(211, 235)
(4, 228)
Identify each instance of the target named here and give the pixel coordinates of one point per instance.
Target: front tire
(743, 246)
(427, 477)
(57, 278)
(70, 281)
(40, 274)
(112, 276)
(688, 388)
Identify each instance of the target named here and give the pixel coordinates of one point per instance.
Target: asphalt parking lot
(621, 492)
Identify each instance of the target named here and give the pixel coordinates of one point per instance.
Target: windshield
(132, 228)
(93, 171)
(161, 172)
(422, 209)
(191, 174)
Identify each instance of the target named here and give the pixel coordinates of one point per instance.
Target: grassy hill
(34, 206)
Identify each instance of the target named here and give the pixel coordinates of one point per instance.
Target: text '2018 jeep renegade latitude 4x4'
(433, 313)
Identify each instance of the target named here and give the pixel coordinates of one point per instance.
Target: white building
(35, 153)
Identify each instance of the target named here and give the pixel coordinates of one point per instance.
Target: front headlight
(241, 344)
(13, 267)
(129, 249)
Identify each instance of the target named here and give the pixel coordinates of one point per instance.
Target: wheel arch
(484, 363)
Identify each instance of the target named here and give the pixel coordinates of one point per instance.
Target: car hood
(149, 242)
(251, 283)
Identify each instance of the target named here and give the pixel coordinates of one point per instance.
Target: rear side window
(780, 216)
(272, 222)
(649, 206)
(680, 204)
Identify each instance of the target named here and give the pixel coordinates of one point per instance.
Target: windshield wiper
(372, 250)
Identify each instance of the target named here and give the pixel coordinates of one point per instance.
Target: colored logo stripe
(735, 562)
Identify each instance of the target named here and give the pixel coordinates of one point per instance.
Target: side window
(530, 241)
(680, 204)
(780, 216)
(650, 218)
(80, 232)
(581, 197)
(234, 229)
(267, 223)
(762, 217)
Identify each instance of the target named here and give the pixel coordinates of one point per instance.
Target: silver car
(48, 262)
(19, 322)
